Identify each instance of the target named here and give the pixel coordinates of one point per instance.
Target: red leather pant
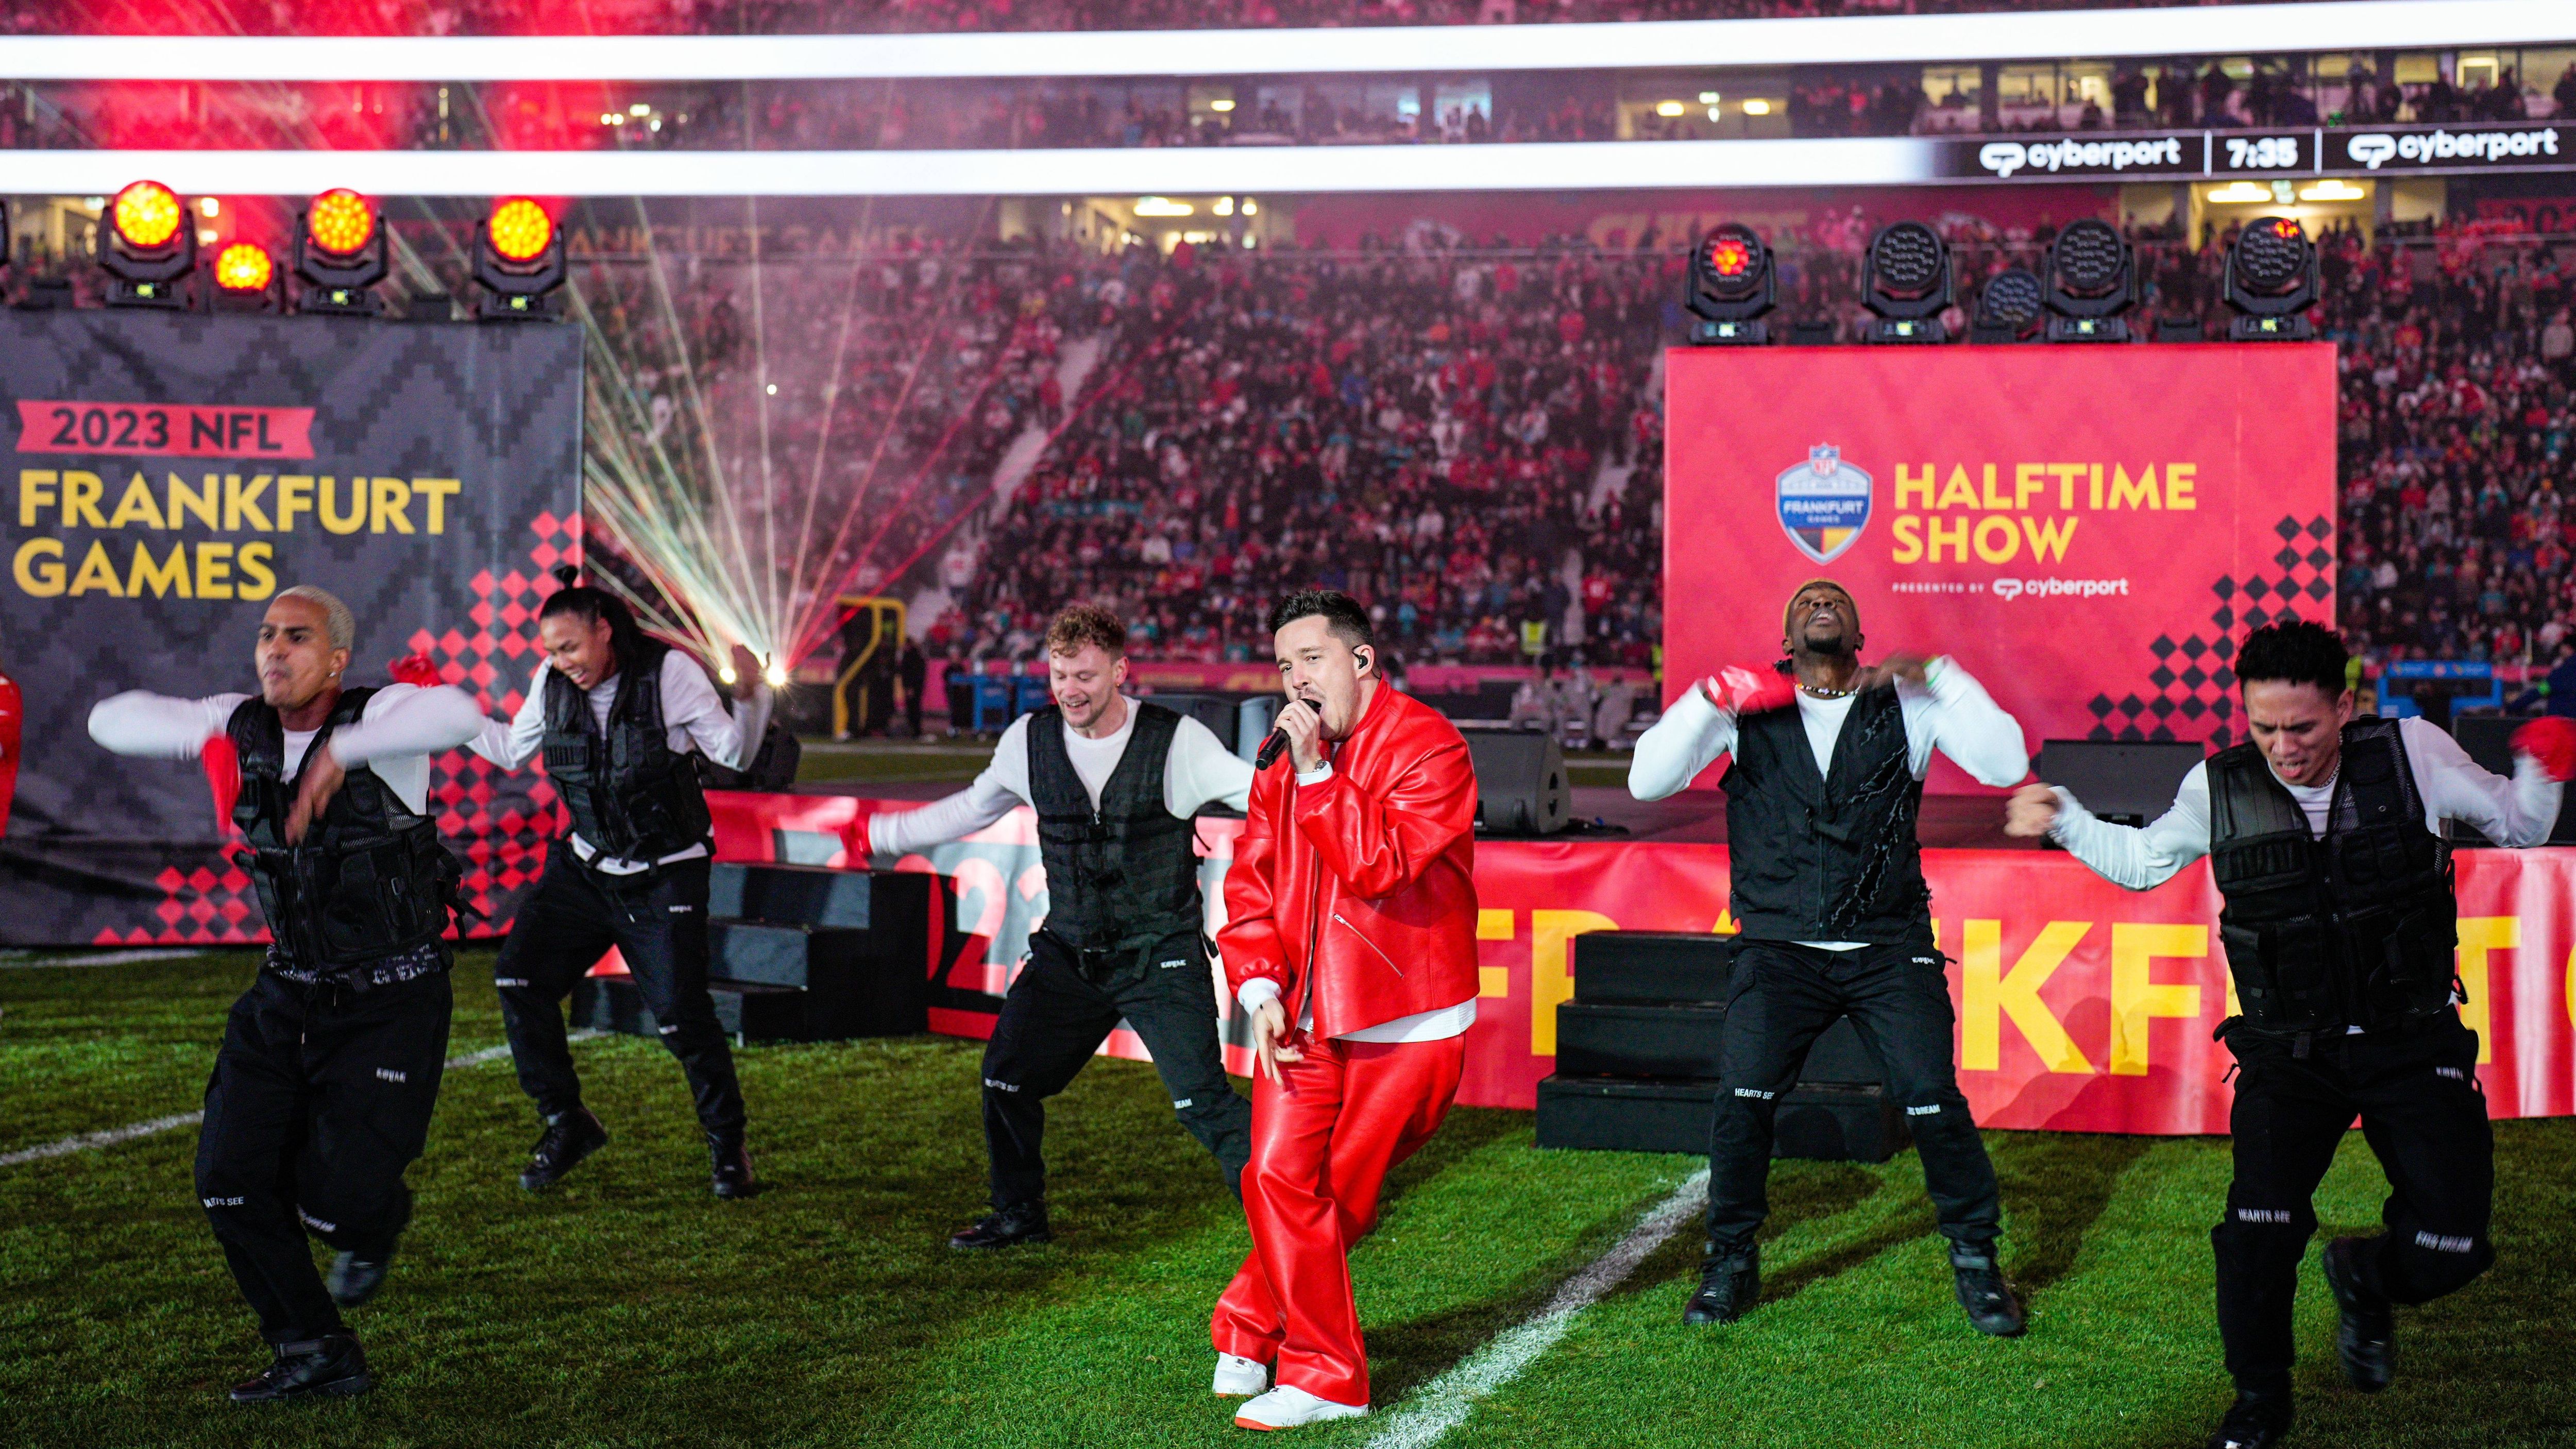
(1322, 1144)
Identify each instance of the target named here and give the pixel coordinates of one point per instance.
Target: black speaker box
(2127, 782)
(1521, 786)
(1611, 1114)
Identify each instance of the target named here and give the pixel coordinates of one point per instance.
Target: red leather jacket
(1360, 891)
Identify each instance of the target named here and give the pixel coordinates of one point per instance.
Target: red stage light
(244, 267)
(340, 222)
(1728, 256)
(146, 215)
(2288, 229)
(520, 230)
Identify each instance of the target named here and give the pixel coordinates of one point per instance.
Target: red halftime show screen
(2086, 528)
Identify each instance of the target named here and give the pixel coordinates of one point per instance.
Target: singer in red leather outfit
(1351, 913)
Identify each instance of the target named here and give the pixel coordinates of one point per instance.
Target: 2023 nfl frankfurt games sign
(2089, 529)
(171, 474)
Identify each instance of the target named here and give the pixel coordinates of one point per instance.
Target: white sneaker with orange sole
(1238, 1377)
(1288, 1406)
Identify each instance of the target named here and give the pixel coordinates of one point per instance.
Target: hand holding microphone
(1300, 730)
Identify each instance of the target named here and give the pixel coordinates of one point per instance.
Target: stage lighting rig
(2008, 307)
(1731, 285)
(2092, 279)
(2271, 282)
(340, 255)
(1905, 282)
(519, 262)
(246, 279)
(146, 245)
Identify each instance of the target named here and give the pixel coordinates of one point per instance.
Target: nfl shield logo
(1824, 503)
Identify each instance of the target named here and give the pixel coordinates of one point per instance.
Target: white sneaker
(1238, 1377)
(1288, 1406)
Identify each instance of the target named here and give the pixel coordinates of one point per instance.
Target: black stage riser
(1651, 966)
(747, 1011)
(810, 895)
(1818, 1123)
(1682, 1039)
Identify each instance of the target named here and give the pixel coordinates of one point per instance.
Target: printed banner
(173, 473)
(2087, 529)
(2081, 1007)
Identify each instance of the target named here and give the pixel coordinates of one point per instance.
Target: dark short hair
(1076, 625)
(2297, 652)
(1349, 622)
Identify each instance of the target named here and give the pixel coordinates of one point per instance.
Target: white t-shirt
(693, 717)
(394, 736)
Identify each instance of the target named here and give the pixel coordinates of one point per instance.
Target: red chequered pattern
(503, 852)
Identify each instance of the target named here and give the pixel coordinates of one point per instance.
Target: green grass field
(630, 1308)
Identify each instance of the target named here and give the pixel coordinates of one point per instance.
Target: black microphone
(1276, 744)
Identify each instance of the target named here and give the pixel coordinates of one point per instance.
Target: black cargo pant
(1063, 1005)
(658, 921)
(2416, 1092)
(321, 1096)
(1780, 999)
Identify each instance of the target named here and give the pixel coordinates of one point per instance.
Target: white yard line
(98, 958)
(1445, 1402)
(66, 1146)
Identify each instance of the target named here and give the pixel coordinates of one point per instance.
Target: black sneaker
(569, 1137)
(331, 1366)
(354, 1279)
(1025, 1223)
(1729, 1286)
(2365, 1339)
(1992, 1308)
(733, 1176)
(2255, 1421)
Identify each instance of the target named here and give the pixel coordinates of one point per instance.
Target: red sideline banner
(2082, 1007)
(2087, 528)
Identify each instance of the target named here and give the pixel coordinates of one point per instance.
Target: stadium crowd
(1471, 441)
(1033, 114)
(765, 17)
(1462, 441)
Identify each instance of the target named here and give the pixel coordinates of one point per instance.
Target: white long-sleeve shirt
(693, 718)
(2516, 812)
(1950, 712)
(394, 736)
(1196, 772)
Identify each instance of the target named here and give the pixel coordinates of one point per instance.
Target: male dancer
(1836, 920)
(618, 716)
(1115, 782)
(1351, 913)
(322, 1091)
(2324, 834)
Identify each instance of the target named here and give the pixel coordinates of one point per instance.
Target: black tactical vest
(2355, 929)
(630, 795)
(370, 879)
(1828, 857)
(1125, 875)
